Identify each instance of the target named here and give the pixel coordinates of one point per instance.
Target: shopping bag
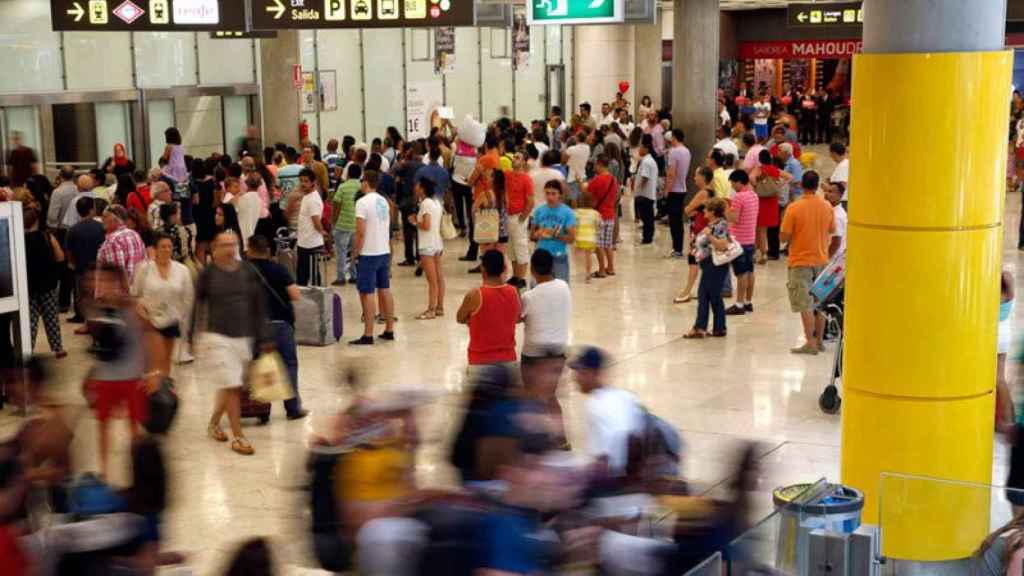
(163, 407)
(448, 231)
(268, 379)
(485, 226)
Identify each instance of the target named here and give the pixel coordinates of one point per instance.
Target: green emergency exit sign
(575, 11)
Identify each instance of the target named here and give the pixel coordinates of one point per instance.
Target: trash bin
(803, 508)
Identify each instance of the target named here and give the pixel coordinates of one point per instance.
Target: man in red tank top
(491, 312)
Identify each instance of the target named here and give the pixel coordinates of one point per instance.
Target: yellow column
(928, 168)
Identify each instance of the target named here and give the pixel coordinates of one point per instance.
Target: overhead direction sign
(575, 11)
(147, 15)
(307, 14)
(825, 15)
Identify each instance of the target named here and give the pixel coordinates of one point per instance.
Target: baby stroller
(828, 291)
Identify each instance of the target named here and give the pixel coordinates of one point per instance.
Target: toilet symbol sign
(575, 11)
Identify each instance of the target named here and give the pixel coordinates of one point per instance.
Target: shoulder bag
(485, 226)
(723, 257)
(768, 187)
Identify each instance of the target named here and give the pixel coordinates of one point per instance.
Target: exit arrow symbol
(77, 11)
(802, 17)
(277, 9)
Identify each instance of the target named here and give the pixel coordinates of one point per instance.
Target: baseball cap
(590, 358)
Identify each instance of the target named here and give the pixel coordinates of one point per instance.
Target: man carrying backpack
(620, 430)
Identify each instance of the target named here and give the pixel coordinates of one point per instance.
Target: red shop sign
(798, 49)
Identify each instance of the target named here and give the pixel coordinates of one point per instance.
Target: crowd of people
(208, 255)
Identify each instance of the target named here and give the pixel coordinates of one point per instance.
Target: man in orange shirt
(481, 181)
(808, 227)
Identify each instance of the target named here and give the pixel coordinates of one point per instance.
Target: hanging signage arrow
(802, 17)
(277, 9)
(77, 12)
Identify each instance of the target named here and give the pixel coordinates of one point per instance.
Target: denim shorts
(744, 263)
(373, 273)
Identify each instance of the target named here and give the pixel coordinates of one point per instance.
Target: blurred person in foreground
(230, 314)
(116, 379)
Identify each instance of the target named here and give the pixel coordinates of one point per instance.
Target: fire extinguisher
(303, 131)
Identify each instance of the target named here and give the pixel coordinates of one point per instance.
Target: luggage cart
(828, 291)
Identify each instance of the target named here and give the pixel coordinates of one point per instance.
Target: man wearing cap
(613, 415)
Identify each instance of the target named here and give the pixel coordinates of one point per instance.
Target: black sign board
(147, 15)
(305, 14)
(825, 15)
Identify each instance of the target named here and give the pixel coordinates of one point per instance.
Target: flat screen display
(6, 260)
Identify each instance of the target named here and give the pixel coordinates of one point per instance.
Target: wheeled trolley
(828, 292)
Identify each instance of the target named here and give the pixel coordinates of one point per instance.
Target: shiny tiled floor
(718, 392)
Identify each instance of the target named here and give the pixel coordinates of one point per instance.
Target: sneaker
(674, 255)
(362, 341)
(389, 335)
(735, 310)
(805, 349)
(749, 308)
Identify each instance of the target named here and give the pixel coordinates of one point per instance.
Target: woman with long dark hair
(203, 186)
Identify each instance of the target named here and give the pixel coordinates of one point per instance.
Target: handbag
(163, 407)
(485, 226)
(268, 380)
(723, 257)
(448, 231)
(768, 188)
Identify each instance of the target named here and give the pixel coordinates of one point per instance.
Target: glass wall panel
(29, 49)
(225, 61)
(530, 81)
(462, 86)
(236, 120)
(165, 59)
(568, 42)
(24, 119)
(385, 93)
(113, 126)
(201, 123)
(159, 117)
(338, 52)
(496, 68)
(98, 60)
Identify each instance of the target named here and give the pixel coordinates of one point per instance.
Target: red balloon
(623, 86)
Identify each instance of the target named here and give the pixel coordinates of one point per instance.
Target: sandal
(241, 446)
(695, 335)
(439, 312)
(427, 315)
(610, 273)
(598, 275)
(682, 299)
(214, 431)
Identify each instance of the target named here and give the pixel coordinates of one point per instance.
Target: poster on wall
(328, 90)
(444, 50)
(520, 43)
(423, 101)
(309, 95)
(728, 74)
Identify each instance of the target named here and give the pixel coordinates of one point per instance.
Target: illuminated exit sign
(308, 14)
(575, 11)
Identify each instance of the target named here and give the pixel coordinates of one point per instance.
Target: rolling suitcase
(318, 319)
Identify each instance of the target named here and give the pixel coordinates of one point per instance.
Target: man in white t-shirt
(249, 208)
(546, 173)
(371, 250)
(837, 150)
(725, 144)
(545, 312)
(310, 231)
(645, 185)
(613, 415)
(834, 193)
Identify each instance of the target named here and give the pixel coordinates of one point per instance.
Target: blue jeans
(709, 295)
(284, 341)
(560, 269)
(342, 243)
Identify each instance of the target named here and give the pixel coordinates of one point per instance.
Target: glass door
(113, 126)
(159, 117)
(555, 88)
(19, 123)
(237, 119)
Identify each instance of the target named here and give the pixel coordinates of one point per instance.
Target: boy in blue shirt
(554, 228)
